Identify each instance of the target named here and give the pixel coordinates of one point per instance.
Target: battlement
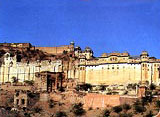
(18, 45)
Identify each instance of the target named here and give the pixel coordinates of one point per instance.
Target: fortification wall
(100, 101)
(56, 50)
(113, 74)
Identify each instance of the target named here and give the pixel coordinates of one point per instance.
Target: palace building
(75, 63)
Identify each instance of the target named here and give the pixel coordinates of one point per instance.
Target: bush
(137, 102)
(37, 109)
(29, 82)
(61, 114)
(150, 114)
(140, 108)
(126, 107)
(117, 109)
(90, 108)
(14, 79)
(85, 87)
(145, 100)
(106, 113)
(126, 115)
(158, 103)
(78, 109)
(27, 114)
(152, 86)
(51, 103)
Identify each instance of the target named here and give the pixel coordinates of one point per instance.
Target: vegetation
(150, 114)
(29, 82)
(117, 109)
(126, 107)
(152, 86)
(78, 109)
(14, 80)
(125, 115)
(61, 114)
(158, 104)
(106, 113)
(51, 103)
(37, 109)
(84, 87)
(139, 108)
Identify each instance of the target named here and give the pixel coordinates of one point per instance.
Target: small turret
(72, 45)
(88, 53)
(144, 56)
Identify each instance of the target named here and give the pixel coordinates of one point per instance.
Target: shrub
(90, 108)
(158, 103)
(126, 107)
(145, 100)
(140, 108)
(150, 114)
(29, 82)
(126, 115)
(86, 87)
(27, 114)
(117, 109)
(14, 80)
(152, 86)
(51, 103)
(78, 109)
(137, 102)
(37, 109)
(106, 113)
(61, 114)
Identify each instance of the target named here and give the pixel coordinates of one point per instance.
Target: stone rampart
(55, 50)
(100, 101)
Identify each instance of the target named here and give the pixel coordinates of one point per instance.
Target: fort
(61, 77)
(108, 69)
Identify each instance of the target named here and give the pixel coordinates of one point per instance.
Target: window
(23, 101)
(143, 65)
(17, 101)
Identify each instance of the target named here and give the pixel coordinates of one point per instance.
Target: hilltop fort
(23, 61)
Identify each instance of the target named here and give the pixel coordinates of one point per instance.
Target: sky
(103, 25)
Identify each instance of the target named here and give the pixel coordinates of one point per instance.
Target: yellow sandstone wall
(56, 50)
(113, 74)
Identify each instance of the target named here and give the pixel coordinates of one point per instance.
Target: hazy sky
(103, 25)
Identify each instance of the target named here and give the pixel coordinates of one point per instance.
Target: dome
(144, 53)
